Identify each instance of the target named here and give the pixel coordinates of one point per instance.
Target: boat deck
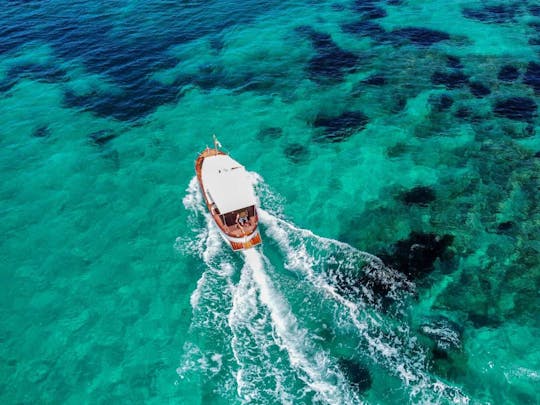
(238, 231)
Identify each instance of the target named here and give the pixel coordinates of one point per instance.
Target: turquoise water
(401, 131)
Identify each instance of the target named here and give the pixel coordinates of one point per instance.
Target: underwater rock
(331, 62)
(516, 108)
(537, 154)
(346, 283)
(6, 85)
(415, 256)
(368, 280)
(453, 62)
(420, 195)
(270, 132)
(379, 289)
(358, 376)
(451, 80)
(15, 34)
(534, 41)
(33, 71)
(126, 58)
(364, 29)
(400, 102)
(508, 73)
(534, 10)
(519, 131)
(129, 64)
(506, 226)
(321, 41)
(296, 152)
(340, 128)
(130, 104)
(463, 112)
(496, 13)
(102, 137)
(375, 80)
(445, 341)
(479, 90)
(446, 334)
(376, 12)
(44, 73)
(442, 103)
(532, 76)
(439, 354)
(529, 130)
(369, 9)
(41, 132)
(466, 113)
(397, 150)
(423, 37)
(209, 77)
(481, 320)
(534, 25)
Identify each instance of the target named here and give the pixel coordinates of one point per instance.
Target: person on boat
(242, 219)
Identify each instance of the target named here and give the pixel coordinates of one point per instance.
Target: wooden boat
(229, 196)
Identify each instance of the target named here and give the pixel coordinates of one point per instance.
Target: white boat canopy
(226, 183)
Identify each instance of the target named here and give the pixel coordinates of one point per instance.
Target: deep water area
(394, 146)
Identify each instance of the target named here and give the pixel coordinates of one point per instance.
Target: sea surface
(394, 146)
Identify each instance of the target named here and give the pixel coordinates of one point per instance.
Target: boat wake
(286, 327)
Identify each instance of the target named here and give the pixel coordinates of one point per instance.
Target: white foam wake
(389, 344)
(212, 296)
(314, 366)
(207, 243)
(272, 358)
(259, 377)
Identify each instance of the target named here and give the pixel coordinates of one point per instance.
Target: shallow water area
(394, 147)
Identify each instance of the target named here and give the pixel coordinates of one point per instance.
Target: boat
(229, 196)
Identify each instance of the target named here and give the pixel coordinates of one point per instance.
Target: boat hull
(246, 242)
(238, 238)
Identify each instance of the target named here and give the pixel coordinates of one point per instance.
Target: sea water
(394, 147)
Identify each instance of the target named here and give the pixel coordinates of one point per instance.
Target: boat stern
(245, 243)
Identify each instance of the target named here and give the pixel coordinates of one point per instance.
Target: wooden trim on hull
(246, 241)
(254, 240)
